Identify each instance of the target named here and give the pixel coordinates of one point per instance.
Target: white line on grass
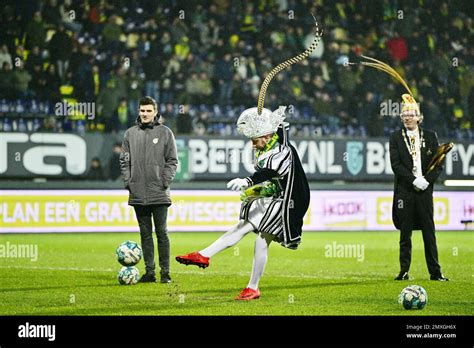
(242, 274)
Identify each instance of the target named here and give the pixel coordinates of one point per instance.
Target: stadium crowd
(204, 61)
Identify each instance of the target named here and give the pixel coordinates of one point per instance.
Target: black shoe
(440, 278)
(165, 278)
(148, 278)
(402, 276)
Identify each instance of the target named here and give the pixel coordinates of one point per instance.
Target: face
(260, 142)
(410, 119)
(147, 113)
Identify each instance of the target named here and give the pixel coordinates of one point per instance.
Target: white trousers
(232, 237)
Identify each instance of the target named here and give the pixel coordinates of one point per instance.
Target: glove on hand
(237, 184)
(421, 183)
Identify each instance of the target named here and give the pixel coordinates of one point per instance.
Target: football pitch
(332, 273)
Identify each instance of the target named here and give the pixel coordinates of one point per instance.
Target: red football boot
(248, 294)
(193, 259)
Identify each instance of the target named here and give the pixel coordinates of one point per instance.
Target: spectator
(36, 32)
(34, 59)
(21, 79)
(6, 81)
(108, 102)
(95, 171)
(224, 74)
(60, 48)
(48, 125)
(5, 56)
(114, 162)
(192, 89)
(51, 12)
(121, 119)
(52, 84)
(397, 47)
(68, 16)
(184, 123)
(134, 93)
(111, 34)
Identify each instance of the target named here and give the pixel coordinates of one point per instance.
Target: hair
(149, 101)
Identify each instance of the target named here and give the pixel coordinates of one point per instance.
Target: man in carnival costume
(416, 159)
(276, 197)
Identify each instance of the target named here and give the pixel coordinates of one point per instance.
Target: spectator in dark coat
(60, 49)
(95, 171)
(114, 162)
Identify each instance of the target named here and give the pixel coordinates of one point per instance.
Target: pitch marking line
(242, 274)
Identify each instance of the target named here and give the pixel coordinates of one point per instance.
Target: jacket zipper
(146, 171)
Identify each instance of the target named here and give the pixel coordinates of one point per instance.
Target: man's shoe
(402, 276)
(440, 278)
(248, 294)
(148, 278)
(193, 259)
(165, 278)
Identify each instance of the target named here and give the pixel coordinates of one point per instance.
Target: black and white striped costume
(280, 215)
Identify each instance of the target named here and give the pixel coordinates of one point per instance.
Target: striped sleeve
(279, 162)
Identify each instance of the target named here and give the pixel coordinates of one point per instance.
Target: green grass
(75, 274)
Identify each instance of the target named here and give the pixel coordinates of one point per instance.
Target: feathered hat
(258, 121)
(409, 103)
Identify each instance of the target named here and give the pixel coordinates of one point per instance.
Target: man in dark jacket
(148, 163)
(411, 150)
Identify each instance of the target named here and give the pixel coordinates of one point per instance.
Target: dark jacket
(95, 174)
(148, 163)
(402, 164)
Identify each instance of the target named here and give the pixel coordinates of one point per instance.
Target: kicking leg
(228, 239)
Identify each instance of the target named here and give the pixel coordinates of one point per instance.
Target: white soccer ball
(128, 275)
(413, 297)
(129, 253)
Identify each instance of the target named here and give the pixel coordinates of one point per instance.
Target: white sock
(228, 239)
(259, 258)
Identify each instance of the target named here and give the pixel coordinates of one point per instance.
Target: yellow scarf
(270, 145)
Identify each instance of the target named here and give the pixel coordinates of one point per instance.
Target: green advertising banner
(182, 172)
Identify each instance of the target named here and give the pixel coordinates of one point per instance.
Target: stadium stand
(206, 57)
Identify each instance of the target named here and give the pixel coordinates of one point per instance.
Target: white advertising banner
(31, 211)
(372, 210)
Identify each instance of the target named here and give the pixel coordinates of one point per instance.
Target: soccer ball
(129, 253)
(128, 275)
(413, 297)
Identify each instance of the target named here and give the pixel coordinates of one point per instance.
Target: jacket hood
(155, 122)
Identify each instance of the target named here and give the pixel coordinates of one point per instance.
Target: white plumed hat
(253, 125)
(257, 122)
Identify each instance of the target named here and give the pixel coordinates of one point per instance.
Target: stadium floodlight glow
(459, 183)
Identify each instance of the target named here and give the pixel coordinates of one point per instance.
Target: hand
(421, 183)
(425, 183)
(237, 184)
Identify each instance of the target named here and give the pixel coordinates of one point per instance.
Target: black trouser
(419, 211)
(144, 214)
